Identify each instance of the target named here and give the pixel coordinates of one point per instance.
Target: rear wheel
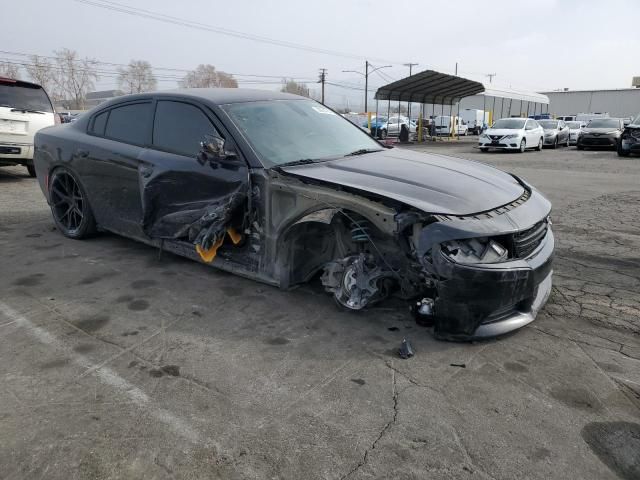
(383, 133)
(484, 150)
(567, 144)
(32, 171)
(69, 206)
(539, 147)
(579, 147)
(555, 143)
(523, 145)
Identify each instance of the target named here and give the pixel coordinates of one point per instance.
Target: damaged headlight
(475, 250)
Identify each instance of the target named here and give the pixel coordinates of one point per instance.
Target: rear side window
(180, 127)
(130, 123)
(25, 96)
(99, 122)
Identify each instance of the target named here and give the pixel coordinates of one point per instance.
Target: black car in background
(630, 138)
(280, 189)
(601, 132)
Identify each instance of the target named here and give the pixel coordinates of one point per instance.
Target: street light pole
(366, 79)
(366, 84)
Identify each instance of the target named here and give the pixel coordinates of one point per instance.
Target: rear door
(177, 187)
(109, 164)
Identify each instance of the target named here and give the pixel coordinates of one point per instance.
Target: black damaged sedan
(280, 189)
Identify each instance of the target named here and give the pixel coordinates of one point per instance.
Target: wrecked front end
(491, 271)
(471, 277)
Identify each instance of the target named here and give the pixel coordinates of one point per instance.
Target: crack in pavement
(384, 430)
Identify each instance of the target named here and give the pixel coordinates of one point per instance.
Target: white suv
(25, 108)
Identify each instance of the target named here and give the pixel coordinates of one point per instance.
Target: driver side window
(180, 127)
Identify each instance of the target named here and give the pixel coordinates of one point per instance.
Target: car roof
(218, 96)
(19, 83)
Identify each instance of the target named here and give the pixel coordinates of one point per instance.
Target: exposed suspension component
(360, 229)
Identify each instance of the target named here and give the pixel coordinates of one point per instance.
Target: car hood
(502, 131)
(429, 182)
(599, 130)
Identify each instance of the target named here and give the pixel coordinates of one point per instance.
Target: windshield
(283, 131)
(548, 124)
(604, 123)
(19, 96)
(574, 125)
(510, 123)
(637, 120)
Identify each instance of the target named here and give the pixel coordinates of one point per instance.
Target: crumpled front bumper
(486, 300)
(479, 302)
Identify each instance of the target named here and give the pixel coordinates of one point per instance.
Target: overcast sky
(534, 44)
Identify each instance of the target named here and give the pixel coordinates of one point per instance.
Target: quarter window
(180, 127)
(99, 122)
(130, 123)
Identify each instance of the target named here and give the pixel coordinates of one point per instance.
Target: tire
(621, 151)
(540, 142)
(32, 171)
(579, 147)
(567, 144)
(484, 150)
(383, 133)
(69, 205)
(523, 146)
(555, 143)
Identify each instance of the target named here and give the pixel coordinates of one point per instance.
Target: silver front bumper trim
(518, 319)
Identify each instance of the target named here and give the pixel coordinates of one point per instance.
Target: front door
(180, 191)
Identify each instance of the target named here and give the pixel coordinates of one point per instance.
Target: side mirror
(213, 148)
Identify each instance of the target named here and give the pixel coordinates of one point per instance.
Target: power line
(149, 14)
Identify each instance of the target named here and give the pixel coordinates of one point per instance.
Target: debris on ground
(405, 351)
(460, 365)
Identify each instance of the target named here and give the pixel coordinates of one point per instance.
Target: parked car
(279, 188)
(566, 118)
(575, 127)
(630, 139)
(378, 126)
(556, 133)
(394, 125)
(512, 134)
(25, 108)
(601, 132)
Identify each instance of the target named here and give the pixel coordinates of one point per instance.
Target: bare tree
(42, 72)
(75, 77)
(10, 70)
(290, 86)
(137, 77)
(206, 76)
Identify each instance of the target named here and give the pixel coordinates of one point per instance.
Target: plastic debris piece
(405, 351)
(234, 236)
(461, 365)
(209, 254)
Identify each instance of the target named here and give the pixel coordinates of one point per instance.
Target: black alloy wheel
(69, 206)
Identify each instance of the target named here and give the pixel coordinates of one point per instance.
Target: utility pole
(456, 69)
(410, 65)
(323, 76)
(490, 75)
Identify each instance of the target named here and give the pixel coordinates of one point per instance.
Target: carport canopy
(434, 87)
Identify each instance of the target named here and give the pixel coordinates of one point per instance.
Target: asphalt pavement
(116, 363)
